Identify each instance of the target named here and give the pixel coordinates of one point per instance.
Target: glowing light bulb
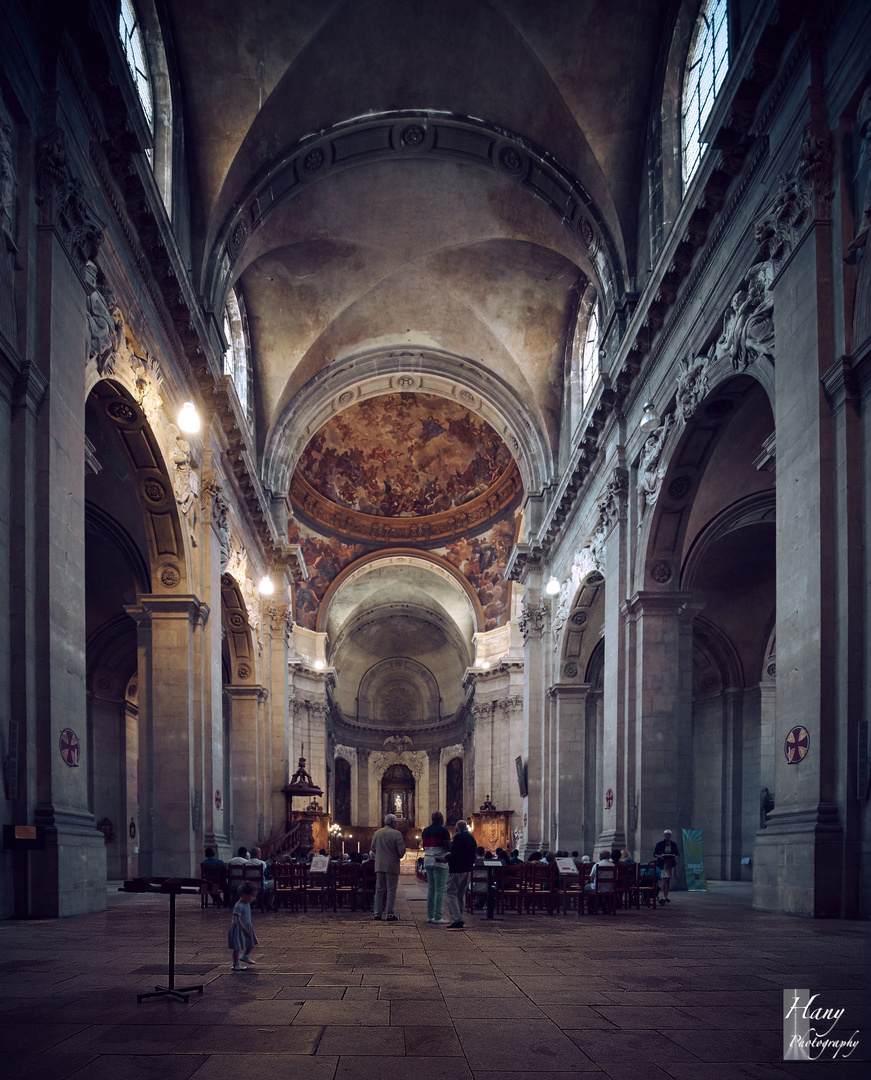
(266, 586)
(189, 418)
(552, 587)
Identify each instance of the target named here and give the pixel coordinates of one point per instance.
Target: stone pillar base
(797, 862)
(68, 877)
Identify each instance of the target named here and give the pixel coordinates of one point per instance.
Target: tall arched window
(706, 68)
(130, 32)
(236, 356)
(590, 355)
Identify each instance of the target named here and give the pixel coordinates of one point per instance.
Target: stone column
(434, 802)
(167, 626)
(609, 543)
(799, 859)
(660, 759)
(280, 765)
(572, 769)
(534, 627)
(247, 707)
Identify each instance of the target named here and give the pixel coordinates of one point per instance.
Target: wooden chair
(235, 877)
(317, 888)
(214, 884)
(647, 886)
(509, 888)
(571, 892)
(347, 878)
(539, 888)
(626, 874)
(604, 894)
(368, 884)
(253, 875)
(289, 881)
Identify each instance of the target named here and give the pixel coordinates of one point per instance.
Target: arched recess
(663, 534)
(389, 371)
(150, 482)
(594, 746)
(453, 791)
(342, 802)
(398, 692)
(583, 628)
(398, 790)
(238, 647)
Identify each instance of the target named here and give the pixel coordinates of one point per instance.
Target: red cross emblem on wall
(69, 746)
(609, 799)
(795, 746)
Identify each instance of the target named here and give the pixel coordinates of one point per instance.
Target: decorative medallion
(346, 398)
(579, 618)
(467, 395)
(69, 747)
(237, 621)
(238, 237)
(678, 487)
(413, 136)
(570, 670)
(219, 802)
(313, 160)
(121, 411)
(772, 670)
(595, 578)
(405, 380)
(103, 683)
(154, 490)
(169, 577)
(243, 671)
(585, 232)
(796, 744)
(511, 160)
(661, 572)
(609, 799)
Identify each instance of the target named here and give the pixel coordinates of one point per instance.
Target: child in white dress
(241, 937)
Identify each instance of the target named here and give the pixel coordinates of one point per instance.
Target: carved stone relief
(533, 618)
(748, 324)
(692, 384)
(105, 324)
(185, 482)
(650, 472)
(583, 564)
(862, 176)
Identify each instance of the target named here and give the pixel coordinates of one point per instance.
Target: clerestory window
(706, 68)
(236, 356)
(130, 32)
(590, 356)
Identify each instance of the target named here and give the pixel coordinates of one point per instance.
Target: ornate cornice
(473, 515)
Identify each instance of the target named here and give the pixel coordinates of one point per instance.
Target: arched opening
(453, 791)
(397, 795)
(342, 801)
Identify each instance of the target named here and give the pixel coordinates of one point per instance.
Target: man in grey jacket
(388, 849)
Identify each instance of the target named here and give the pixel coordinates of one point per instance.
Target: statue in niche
(862, 178)
(650, 472)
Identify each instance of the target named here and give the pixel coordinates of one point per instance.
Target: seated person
(240, 858)
(590, 887)
(255, 860)
(214, 870)
(514, 858)
(211, 859)
(626, 857)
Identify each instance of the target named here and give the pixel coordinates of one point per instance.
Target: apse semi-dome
(405, 467)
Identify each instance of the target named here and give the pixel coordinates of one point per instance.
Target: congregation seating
(520, 888)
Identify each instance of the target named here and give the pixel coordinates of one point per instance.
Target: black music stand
(172, 887)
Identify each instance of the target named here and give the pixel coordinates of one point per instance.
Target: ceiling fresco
(480, 559)
(404, 456)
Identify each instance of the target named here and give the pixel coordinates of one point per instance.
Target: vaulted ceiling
(412, 199)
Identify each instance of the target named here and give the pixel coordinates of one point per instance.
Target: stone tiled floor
(693, 990)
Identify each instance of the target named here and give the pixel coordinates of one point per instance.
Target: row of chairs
(527, 888)
(293, 886)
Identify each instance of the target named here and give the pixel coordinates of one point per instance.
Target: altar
(492, 828)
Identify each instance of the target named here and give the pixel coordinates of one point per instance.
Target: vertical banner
(693, 860)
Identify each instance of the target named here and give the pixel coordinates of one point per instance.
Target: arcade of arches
(533, 448)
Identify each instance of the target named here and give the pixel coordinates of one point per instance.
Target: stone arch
(716, 663)
(435, 563)
(584, 627)
(152, 485)
(239, 658)
(384, 371)
(424, 136)
(760, 506)
(685, 458)
(342, 785)
(398, 783)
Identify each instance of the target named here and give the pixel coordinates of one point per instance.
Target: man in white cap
(666, 855)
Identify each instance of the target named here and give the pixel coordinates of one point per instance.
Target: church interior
(454, 406)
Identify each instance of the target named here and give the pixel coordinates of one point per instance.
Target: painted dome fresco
(419, 458)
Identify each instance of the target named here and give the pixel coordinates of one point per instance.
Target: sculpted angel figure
(650, 471)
